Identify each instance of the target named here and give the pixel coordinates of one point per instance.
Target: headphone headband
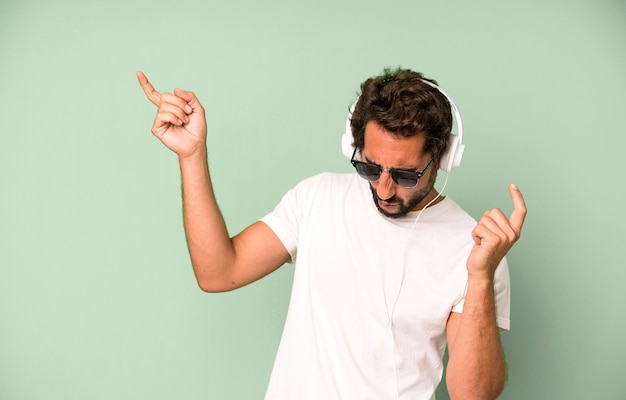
(450, 159)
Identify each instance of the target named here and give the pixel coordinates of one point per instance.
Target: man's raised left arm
(476, 367)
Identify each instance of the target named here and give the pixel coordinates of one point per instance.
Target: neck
(431, 199)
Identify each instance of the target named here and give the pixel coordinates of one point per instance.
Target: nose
(385, 187)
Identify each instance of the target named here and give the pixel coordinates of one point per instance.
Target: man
(380, 287)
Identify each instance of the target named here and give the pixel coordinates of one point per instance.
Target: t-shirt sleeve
(285, 220)
(293, 211)
(502, 291)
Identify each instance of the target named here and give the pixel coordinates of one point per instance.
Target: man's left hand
(494, 235)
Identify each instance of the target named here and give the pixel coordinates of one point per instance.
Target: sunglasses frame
(391, 171)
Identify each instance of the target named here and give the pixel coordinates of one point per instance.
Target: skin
(383, 149)
(220, 263)
(476, 365)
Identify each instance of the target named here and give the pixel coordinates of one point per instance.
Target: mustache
(392, 199)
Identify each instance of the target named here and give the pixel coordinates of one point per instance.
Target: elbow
(211, 282)
(488, 394)
(208, 287)
(216, 277)
(212, 288)
(483, 388)
(214, 285)
(213, 272)
(490, 391)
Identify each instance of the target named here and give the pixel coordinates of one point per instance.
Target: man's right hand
(180, 122)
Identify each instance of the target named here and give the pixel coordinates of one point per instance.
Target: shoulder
(325, 181)
(320, 188)
(448, 213)
(327, 178)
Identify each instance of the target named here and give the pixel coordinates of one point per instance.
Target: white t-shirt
(371, 296)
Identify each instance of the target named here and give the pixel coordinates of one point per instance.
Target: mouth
(387, 204)
(389, 207)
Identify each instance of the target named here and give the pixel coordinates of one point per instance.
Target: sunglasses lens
(371, 172)
(367, 171)
(405, 179)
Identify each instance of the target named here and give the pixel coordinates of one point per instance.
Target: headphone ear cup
(347, 144)
(452, 157)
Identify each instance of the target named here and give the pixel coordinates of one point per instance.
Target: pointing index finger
(519, 208)
(148, 89)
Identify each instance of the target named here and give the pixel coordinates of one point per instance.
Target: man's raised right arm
(220, 263)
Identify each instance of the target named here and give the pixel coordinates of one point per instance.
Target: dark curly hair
(403, 104)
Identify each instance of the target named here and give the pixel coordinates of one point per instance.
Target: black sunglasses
(371, 172)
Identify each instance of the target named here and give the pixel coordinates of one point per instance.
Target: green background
(97, 297)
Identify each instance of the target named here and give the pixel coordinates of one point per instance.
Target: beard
(403, 206)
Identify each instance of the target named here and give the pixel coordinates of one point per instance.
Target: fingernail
(514, 186)
(188, 108)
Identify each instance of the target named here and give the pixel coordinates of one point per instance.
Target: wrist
(197, 155)
(482, 278)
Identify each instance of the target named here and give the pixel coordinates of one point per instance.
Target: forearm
(476, 367)
(210, 247)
